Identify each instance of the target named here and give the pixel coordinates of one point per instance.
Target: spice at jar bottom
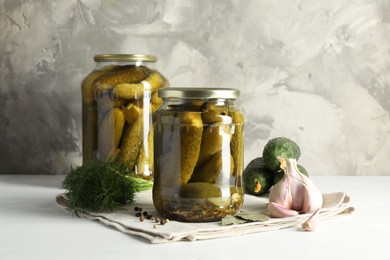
(198, 154)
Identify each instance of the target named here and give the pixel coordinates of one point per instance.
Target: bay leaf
(252, 216)
(232, 220)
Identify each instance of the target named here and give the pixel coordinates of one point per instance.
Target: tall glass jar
(118, 99)
(199, 136)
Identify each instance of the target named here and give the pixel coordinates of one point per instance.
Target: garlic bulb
(294, 193)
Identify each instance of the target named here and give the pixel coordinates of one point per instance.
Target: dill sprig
(101, 186)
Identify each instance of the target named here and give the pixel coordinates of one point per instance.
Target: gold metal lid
(199, 93)
(125, 57)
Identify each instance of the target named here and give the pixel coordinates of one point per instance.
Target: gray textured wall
(315, 71)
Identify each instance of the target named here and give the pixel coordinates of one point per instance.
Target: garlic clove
(313, 197)
(312, 222)
(277, 211)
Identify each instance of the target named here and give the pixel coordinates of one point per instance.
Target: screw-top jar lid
(125, 57)
(199, 93)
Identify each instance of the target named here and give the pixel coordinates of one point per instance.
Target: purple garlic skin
(294, 193)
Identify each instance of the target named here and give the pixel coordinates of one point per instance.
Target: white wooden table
(33, 226)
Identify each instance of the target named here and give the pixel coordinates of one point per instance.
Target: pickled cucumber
(212, 141)
(131, 113)
(126, 74)
(131, 143)
(237, 142)
(191, 130)
(215, 114)
(211, 170)
(118, 125)
(156, 101)
(136, 90)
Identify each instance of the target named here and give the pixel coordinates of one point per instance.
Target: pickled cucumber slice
(191, 130)
(200, 190)
(237, 142)
(136, 90)
(125, 74)
(131, 143)
(215, 167)
(110, 133)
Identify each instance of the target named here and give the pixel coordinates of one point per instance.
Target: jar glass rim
(125, 57)
(199, 93)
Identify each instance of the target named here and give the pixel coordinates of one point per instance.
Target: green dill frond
(101, 186)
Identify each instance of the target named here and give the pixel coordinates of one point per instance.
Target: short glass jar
(199, 139)
(118, 99)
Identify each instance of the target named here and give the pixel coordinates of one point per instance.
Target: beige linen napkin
(335, 204)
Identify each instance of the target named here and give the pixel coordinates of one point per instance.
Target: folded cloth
(335, 204)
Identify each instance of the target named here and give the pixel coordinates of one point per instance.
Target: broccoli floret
(279, 146)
